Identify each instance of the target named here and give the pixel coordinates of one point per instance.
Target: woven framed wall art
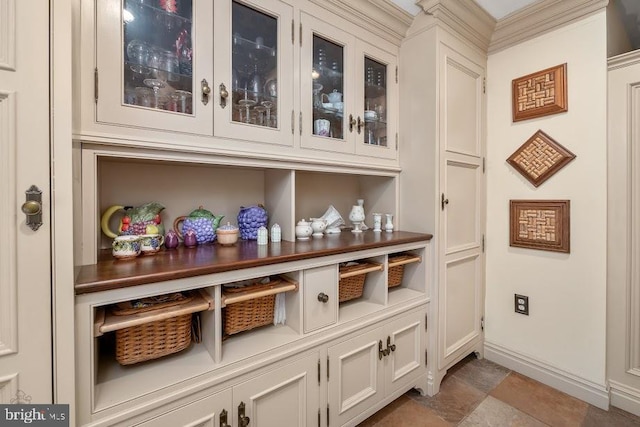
(540, 158)
(540, 93)
(540, 224)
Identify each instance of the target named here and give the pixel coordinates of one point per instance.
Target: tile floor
(481, 393)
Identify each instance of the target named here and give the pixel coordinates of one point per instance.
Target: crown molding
(464, 17)
(624, 60)
(539, 18)
(381, 17)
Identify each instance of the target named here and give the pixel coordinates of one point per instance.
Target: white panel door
(25, 267)
(405, 362)
(356, 380)
(288, 396)
(461, 272)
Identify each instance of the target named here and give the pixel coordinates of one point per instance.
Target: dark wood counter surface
(110, 273)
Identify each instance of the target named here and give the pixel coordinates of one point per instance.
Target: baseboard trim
(625, 397)
(590, 392)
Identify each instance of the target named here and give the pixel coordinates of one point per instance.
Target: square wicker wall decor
(540, 224)
(540, 93)
(539, 158)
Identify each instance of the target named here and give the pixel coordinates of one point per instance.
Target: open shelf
(357, 309)
(116, 384)
(400, 295)
(246, 344)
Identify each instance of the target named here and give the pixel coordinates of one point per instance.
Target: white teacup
(150, 243)
(125, 247)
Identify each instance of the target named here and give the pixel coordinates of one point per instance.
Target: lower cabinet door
(405, 362)
(206, 412)
(288, 396)
(356, 379)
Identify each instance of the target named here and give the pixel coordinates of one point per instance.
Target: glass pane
(328, 83)
(375, 103)
(158, 54)
(254, 71)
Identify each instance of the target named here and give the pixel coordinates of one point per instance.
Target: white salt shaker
(263, 236)
(276, 233)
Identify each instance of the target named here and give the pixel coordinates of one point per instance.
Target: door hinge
(328, 415)
(396, 74)
(300, 123)
(426, 357)
(396, 141)
(301, 34)
(426, 321)
(293, 31)
(318, 417)
(482, 323)
(318, 371)
(483, 243)
(293, 121)
(327, 368)
(483, 165)
(484, 85)
(95, 85)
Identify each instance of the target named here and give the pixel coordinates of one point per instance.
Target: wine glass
(156, 85)
(267, 106)
(247, 104)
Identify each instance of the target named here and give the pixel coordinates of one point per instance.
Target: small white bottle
(263, 236)
(276, 233)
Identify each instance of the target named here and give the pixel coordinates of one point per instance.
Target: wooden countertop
(110, 273)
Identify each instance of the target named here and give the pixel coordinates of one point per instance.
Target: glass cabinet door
(152, 66)
(254, 68)
(377, 92)
(326, 81)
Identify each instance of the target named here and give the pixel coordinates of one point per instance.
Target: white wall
(564, 335)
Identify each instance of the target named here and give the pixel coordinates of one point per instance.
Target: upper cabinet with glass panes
(290, 74)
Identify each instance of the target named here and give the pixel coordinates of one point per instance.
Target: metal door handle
(224, 94)
(32, 207)
(206, 90)
(390, 347)
(223, 418)
(243, 421)
(322, 297)
(352, 122)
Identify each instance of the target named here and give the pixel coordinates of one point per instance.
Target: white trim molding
(464, 17)
(625, 397)
(8, 35)
(9, 230)
(539, 18)
(9, 389)
(583, 389)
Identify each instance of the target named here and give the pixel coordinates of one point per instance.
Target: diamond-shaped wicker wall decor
(540, 93)
(539, 158)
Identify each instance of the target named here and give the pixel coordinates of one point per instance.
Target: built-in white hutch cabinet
(288, 104)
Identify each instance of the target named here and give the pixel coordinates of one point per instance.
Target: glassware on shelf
(138, 54)
(156, 85)
(247, 104)
(268, 120)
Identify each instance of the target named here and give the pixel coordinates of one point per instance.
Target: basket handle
(374, 267)
(289, 285)
(407, 260)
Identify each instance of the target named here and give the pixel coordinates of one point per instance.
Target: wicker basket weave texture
(395, 276)
(153, 340)
(250, 314)
(351, 287)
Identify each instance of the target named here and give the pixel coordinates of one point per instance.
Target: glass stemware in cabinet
(375, 102)
(158, 53)
(254, 66)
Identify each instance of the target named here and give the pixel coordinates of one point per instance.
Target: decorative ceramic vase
(388, 226)
(377, 222)
(356, 216)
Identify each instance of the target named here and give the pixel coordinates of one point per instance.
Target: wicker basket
(396, 268)
(252, 313)
(153, 339)
(352, 278)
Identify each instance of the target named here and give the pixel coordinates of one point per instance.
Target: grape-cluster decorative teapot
(202, 222)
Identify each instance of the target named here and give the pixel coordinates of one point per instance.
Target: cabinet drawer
(320, 297)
